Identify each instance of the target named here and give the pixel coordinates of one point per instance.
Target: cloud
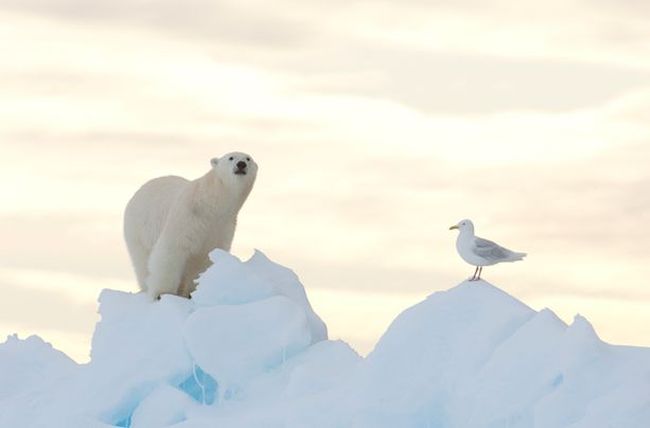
(35, 309)
(89, 245)
(592, 32)
(376, 126)
(452, 84)
(211, 20)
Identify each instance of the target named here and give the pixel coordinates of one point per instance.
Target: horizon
(372, 137)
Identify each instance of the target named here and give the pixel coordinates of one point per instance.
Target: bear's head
(235, 169)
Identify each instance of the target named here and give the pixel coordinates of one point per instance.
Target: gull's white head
(464, 226)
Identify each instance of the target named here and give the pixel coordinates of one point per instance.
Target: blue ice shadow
(200, 386)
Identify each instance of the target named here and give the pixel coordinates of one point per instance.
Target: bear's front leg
(166, 268)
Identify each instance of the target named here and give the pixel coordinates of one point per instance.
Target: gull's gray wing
(490, 250)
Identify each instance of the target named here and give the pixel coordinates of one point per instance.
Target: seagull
(480, 252)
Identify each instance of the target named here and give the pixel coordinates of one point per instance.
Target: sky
(376, 125)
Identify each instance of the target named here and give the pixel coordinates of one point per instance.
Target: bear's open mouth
(240, 172)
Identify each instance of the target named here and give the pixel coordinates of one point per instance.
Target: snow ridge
(249, 351)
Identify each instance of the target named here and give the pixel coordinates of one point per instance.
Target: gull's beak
(453, 227)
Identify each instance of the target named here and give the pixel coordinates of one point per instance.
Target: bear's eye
(248, 159)
(230, 158)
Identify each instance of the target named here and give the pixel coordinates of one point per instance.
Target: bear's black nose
(241, 164)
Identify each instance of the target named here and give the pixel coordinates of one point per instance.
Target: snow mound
(474, 356)
(249, 351)
(30, 364)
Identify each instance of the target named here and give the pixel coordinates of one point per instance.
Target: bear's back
(147, 211)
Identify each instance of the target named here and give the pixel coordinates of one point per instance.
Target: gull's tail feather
(512, 256)
(517, 256)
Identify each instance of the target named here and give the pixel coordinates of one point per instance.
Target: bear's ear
(214, 161)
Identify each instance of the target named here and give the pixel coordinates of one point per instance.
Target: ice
(235, 342)
(249, 351)
(434, 348)
(233, 281)
(321, 368)
(163, 407)
(138, 345)
(30, 364)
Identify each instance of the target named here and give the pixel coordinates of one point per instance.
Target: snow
(30, 364)
(257, 336)
(249, 351)
(163, 407)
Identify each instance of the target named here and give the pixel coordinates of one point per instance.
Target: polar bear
(171, 224)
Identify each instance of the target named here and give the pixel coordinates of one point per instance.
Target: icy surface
(249, 351)
(30, 364)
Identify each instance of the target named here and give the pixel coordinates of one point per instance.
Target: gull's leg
(480, 270)
(474, 276)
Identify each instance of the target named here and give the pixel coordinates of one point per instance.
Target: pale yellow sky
(376, 126)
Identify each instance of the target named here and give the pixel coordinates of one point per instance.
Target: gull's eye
(231, 158)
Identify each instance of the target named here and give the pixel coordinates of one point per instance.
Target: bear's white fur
(171, 224)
